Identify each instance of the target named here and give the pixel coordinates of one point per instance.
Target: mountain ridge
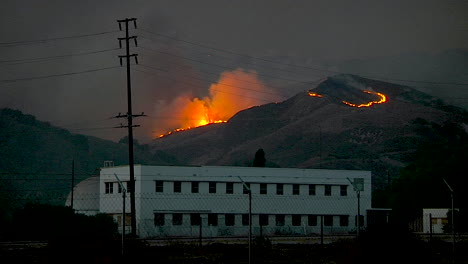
(319, 132)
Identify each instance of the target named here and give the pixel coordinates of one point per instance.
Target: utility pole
(129, 115)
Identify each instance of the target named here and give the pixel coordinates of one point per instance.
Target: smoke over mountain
(227, 96)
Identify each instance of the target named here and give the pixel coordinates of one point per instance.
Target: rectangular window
(177, 219)
(119, 189)
(279, 189)
(212, 219)
(296, 189)
(229, 187)
(263, 188)
(296, 220)
(195, 219)
(212, 187)
(311, 189)
(159, 219)
(245, 190)
(195, 187)
(229, 219)
(177, 186)
(263, 219)
(328, 190)
(361, 221)
(328, 220)
(130, 186)
(344, 220)
(159, 186)
(343, 190)
(280, 219)
(312, 220)
(109, 187)
(245, 219)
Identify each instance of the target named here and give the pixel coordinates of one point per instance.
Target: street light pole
(250, 217)
(452, 222)
(124, 191)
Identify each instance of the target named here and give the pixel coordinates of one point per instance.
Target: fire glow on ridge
(383, 99)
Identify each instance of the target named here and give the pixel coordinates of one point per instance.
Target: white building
(434, 219)
(172, 200)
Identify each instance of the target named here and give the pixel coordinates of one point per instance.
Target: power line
(298, 66)
(39, 41)
(48, 58)
(56, 75)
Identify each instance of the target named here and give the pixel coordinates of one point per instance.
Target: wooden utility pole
(129, 115)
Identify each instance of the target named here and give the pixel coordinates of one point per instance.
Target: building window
(328, 220)
(212, 219)
(177, 219)
(109, 187)
(177, 186)
(263, 219)
(244, 189)
(296, 220)
(229, 187)
(128, 220)
(343, 190)
(158, 219)
(130, 186)
(212, 187)
(245, 219)
(119, 189)
(229, 219)
(263, 188)
(195, 187)
(344, 220)
(312, 220)
(279, 189)
(195, 219)
(159, 186)
(296, 189)
(311, 189)
(280, 220)
(328, 190)
(361, 220)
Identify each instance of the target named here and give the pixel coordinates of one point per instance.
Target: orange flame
(235, 90)
(383, 99)
(315, 94)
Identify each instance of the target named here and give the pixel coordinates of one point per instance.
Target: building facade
(184, 201)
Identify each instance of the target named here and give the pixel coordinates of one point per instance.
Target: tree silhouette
(259, 160)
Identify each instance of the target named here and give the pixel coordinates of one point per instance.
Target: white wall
(149, 202)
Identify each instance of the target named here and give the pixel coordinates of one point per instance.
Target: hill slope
(36, 158)
(319, 131)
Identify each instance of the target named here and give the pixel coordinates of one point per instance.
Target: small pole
(430, 227)
(72, 182)
(321, 230)
(250, 217)
(124, 191)
(359, 213)
(200, 234)
(453, 225)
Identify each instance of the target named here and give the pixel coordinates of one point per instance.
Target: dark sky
(312, 33)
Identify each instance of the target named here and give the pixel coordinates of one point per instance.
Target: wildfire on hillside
(383, 99)
(235, 91)
(315, 94)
